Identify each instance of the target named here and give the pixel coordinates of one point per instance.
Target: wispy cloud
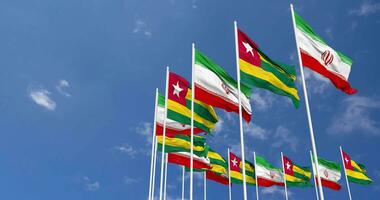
(194, 4)
(91, 185)
(62, 85)
(316, 83)
(130, 180)
(142, 28)
(255, 131)
(262, 100)
(355, 114)
(42, 98)
(127, 149)
(272, 191)
(145, 129)
(219, 126)
(283, 137)
(366, 8)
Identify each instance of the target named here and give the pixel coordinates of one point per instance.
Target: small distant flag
(295, 175)
(219, 168)
(182, 143)
(355, 172)
(183, 159)
(267, 175)
(236, 168)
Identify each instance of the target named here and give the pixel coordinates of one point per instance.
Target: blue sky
(77, 88)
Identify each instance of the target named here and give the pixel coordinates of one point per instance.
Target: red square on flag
(177, 88)
(347, 161)
(288, 166)
(234, 162)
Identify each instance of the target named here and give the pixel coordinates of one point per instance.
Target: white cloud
(127, 149)
(194, 4)
(256, 131)
(62, 84)
(355, 115)
(262, 100)
(366, 8)
(146, 130)
(41, 97)
(275, 191)
(283, 137)
(142, 27)
(129, 180)
(219, 126)
(316, 83)
(91, 185)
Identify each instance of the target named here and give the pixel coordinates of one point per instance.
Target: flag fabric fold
(258, 70)
(267, 175)
(318, 56)
(236, 171)
(215, 87)
(356, 173)
(182, 143)
(329, 172)
(179, 105)
(295, 175)
(219, 168)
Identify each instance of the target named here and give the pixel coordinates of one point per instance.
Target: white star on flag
(177, 89)
(234, 162)
(248, 48)
(288, 165)
(346, 160)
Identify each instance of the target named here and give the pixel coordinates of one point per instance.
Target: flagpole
(204, 186)
(257, 182)
(166, 174)
(151, 184)
(345, 174)
(164, 134)
(229, 175)
(183, 182)
(154, 166)
(284, 176)
(315, 183)
(240, 111)
(307, 107)
(192, 120)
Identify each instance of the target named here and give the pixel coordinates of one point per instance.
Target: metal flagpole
(307, 107)
(283, 169)
(151, 184)
(345, 174)
(257, 182)
(183, 182)
(166, 174)
(192, 121)
(154, 167)
(315, 183)
(240, 111)
(204, 186)
(229, 175)
(164, 134)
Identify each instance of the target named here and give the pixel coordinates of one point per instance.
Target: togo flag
(321, 58)
(215, 87)
(355, 172)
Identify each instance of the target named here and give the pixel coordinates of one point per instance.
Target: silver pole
(152, 160)
(183, 182)
(192, 121)
(307, 107)
(166, 174)
(284, 176)
(257, 182)
(345, 174)
(315, 182)
(229, 175)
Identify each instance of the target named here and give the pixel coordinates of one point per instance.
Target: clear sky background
(77, 85)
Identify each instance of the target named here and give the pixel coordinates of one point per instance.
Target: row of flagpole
(162, 193)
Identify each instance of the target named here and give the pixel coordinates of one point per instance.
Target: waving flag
(183, 159)
(172, 127)
(330, 173)
(355, 172)
(179, 105)
(182, 143)
(267, 175)
(236, 168)
(219, 168)
(321, 58)
(215, 87)
(295, 175)
(257, 69)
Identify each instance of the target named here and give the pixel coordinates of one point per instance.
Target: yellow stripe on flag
(176, 142)
(183, 110)
(357, 175)
(293, 178)
(301, 171)
(266, 76)
(218, 169)
(214, 155)
(239, 176)
(209, 108)
(356, 166)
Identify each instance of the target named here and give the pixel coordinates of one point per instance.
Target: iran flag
(330, 174)
(321, 58)
(215, 87)
(266, 174)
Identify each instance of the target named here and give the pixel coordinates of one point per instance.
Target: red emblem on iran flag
(327, 57)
